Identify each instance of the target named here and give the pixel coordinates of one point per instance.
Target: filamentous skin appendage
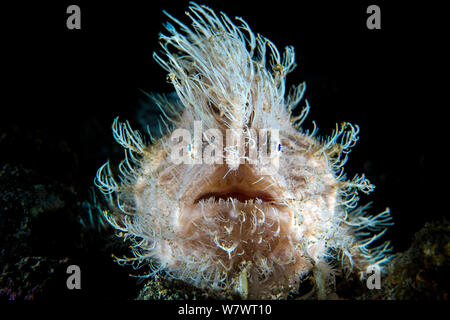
(233, 227)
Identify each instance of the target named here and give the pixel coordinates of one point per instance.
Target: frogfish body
(234, 196)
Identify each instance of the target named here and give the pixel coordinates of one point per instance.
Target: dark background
(69, 85)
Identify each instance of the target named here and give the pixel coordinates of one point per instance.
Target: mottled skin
(247, 227)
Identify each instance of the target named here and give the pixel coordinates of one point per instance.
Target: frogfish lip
(242, 185)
